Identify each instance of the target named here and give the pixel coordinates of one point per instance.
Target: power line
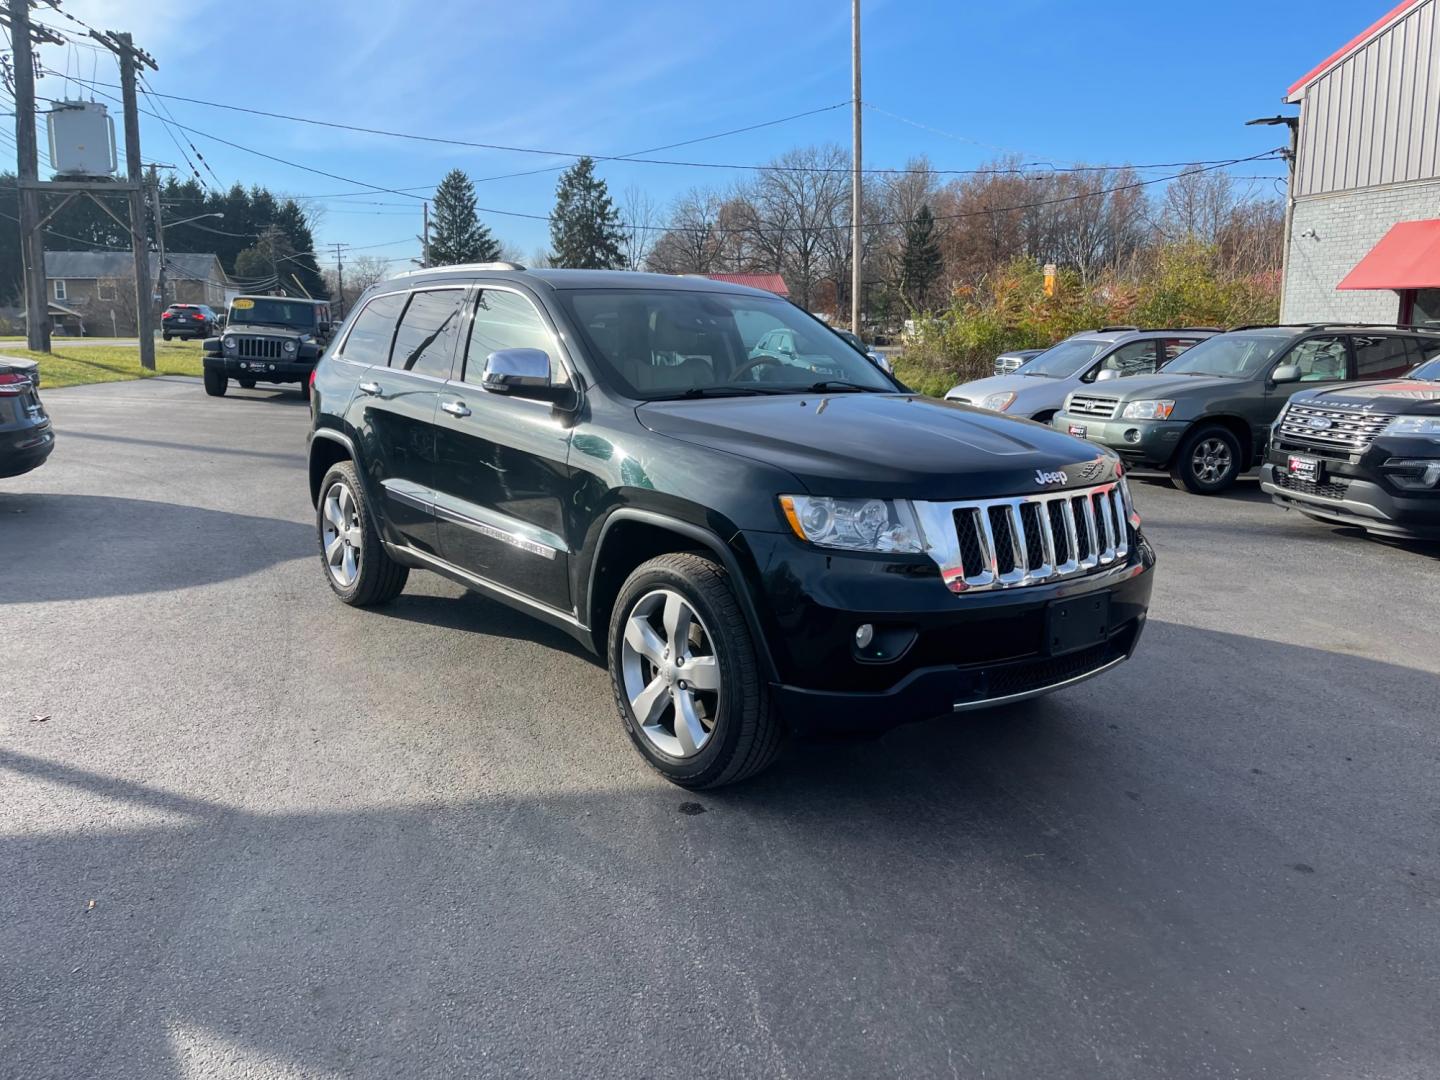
(635, 159)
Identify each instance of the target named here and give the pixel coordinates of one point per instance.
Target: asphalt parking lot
(323, 842)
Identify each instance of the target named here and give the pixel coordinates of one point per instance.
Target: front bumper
(297, 370)
(1150, 443)
(1352, 495)
(943, 652)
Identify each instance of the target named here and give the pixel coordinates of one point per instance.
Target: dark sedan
(26, 438)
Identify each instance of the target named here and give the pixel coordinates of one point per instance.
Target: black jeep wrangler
(271, 339)
(759, 545)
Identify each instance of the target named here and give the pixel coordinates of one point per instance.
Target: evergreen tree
(920, 261)
(585, 228)
(290, 221)
(457, 234)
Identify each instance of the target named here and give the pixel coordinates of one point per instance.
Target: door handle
(371, 388)
(455, 408)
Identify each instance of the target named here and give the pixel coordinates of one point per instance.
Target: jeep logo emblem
(1042, 477)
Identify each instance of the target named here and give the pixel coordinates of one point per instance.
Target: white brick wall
(1346, 227)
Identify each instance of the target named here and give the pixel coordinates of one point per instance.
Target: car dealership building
(1364, 238)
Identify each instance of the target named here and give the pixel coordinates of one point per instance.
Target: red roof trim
(769, 282)
(1349, 47)
(1407, 257)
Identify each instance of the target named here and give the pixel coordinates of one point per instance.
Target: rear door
(405, 344)
(1383, 356)
(502, 477)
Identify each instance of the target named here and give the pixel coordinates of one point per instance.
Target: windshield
(272, 311)
(1066, 358)
(1230, 356)
(1430, 370)
(674, 343)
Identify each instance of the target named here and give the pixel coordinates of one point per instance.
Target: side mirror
(1106, 374)
(1285, 373)
(522, 372)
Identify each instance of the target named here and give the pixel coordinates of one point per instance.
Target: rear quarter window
(369, 339)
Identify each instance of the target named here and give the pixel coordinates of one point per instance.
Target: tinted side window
(506, 320)
(1379, 356)
(369, 339)
(1137, 358)
(1173, 347)
(1429, 347)
(425, 342)
(1320, 359)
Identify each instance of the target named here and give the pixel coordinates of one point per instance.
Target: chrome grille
(1029, 539)
(1350, 432)
(258, 348)
(1101, 408)
(1008, 365)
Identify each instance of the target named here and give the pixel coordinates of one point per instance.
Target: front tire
(215, 382)
(685, 674)
(246, 384)
(1208, 461)
(355, 562)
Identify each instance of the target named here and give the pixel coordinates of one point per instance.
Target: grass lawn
(76, 365)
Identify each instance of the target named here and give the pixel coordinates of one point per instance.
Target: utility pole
(340, 275)
(154, 180)
(32, 240)
(131, 57)
(425, 235)
(856, 194)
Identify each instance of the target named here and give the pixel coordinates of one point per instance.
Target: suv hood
(267, 330)
(886, 445)
(1158, 385)
(1416, 396)
(995, 384)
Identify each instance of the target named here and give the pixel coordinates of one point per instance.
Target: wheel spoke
(702, 673)
(688, 729)
(347, 506)
(335, 550)
(677, 623)
(641, 637)
(348, 567)
(651, 702)
(333, 514)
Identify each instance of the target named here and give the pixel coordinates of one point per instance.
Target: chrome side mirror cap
(1286, 373)
(1106, 374)
(517, 371)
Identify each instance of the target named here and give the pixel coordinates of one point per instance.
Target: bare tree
(361, 271)
(693, 242)
(640, 218)
(1197, 206)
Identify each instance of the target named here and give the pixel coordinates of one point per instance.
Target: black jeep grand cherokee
(758, 544)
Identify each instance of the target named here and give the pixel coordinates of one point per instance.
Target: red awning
(1407, 257)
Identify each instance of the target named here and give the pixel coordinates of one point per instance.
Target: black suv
(1205, 417)
(1365, 454)
(271, 339)
(26, 437)
(188, 321)
(758, 544)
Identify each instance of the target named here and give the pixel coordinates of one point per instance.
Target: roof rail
(1112, 329)
(1379, 326)
(496, 265)
(1181, 329)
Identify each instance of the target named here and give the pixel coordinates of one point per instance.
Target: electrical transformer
(82, 139)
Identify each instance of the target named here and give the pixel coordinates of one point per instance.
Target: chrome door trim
(425, 561)
(507, 530)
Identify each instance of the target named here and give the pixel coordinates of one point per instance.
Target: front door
(502, 474)
(1321, 360)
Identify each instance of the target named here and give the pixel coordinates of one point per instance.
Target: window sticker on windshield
(242, 305)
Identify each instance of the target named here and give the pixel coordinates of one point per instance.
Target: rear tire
(1207, 462)
(355, 563)
(164, 337)
(681, 653)
(215, 383)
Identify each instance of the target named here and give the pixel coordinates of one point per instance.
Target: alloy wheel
(671, 673)
(1211, 460)
(341, 535)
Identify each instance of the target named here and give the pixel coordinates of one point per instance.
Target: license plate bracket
(1304, 467)
(1077, 623)
(1078, 430)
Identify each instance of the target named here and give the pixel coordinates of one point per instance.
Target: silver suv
(1038, 390)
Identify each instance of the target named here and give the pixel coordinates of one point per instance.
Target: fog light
(1414, 474)
(864, 635)
(1132, 435)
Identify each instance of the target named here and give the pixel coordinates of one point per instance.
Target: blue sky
(1053, 79)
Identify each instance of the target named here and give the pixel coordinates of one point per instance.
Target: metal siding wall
(1375, 118)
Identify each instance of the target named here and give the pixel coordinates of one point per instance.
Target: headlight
(229, 342)
(1423, 426)
(290, 347)
(854, 524)
(997, 402)
(1148, 410)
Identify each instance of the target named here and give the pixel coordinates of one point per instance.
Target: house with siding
(93, 292)
(1364, 236)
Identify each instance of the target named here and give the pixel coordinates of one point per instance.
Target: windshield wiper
(715, 391)
(846, 386)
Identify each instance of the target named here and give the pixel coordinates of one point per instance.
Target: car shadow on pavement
(295, 457)
(1145, 878)
(77, 547)
(476, 614)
